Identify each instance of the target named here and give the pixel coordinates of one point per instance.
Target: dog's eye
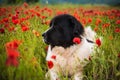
(57, 28)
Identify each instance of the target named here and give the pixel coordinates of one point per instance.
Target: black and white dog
(64, 56)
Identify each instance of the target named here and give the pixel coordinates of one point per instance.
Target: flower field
(23, 52)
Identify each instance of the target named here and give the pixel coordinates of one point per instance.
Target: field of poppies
(23, 52)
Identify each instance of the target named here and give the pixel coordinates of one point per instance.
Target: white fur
(71, 60)
(89, 34)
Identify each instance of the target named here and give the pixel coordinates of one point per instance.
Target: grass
(104, 64)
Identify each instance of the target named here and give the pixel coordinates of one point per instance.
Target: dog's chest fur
(70, 60)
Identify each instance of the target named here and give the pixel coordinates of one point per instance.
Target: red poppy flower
(22, 20)
(47, 22)
(105, 25)
(38, 14)
(53, 57)
(50, 64)
(26, 12)
(13, 44)
(24, 28)
(11, 28)
(98, 42)
(25, 4)
(9, 15)
(14, 17)
(16, 21)
(6, 25)
(12, 61)
(89, 20)
(117, 30)
(111, 17)
(32, 15)
(76, 15)
(5, 20)
(84, 21)
(59, 13)
(37, 7)
(98, 21)
(17, 12)
(43, 17)
(2, 30)
(77, 40)
(12, 52)
(118, 22)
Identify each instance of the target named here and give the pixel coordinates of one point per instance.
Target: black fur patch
(63, 28)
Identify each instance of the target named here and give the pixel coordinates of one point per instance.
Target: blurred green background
(110, 2)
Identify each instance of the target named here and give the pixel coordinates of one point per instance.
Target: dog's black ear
(78, 28)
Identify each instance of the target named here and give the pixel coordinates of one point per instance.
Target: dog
(64, 55)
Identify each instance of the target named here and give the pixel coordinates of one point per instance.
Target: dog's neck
(58, 48)
(65, 45)
(69, 51)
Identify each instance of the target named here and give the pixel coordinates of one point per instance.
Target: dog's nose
(43, 35)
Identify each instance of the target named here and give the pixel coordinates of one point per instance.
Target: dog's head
(63, 29)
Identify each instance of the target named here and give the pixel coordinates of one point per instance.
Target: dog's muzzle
(45, 38)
